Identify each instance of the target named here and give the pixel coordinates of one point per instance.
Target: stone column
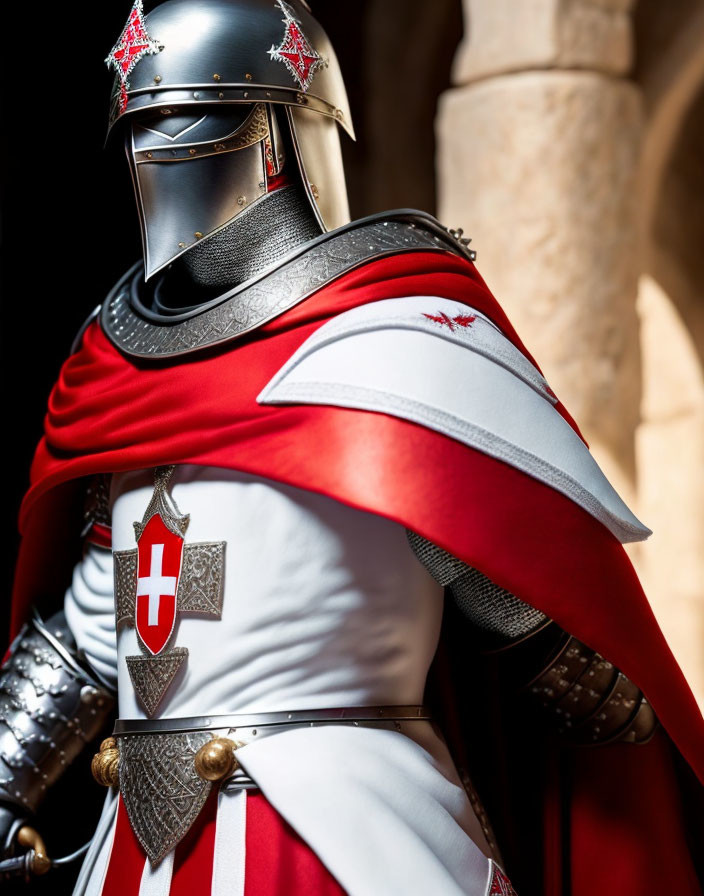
(538, 148)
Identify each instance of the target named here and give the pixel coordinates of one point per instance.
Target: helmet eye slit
(167, 126)
(183, 129)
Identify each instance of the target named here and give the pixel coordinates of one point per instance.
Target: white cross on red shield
(159, 558)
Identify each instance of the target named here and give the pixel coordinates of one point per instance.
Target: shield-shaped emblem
(159, 558)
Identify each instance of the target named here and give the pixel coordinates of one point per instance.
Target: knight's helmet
(215, 92)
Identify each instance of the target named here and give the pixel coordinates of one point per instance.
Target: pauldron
(584, 695)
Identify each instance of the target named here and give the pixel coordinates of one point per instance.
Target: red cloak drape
(109, 413)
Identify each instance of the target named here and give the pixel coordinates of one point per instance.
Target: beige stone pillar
(670, 447)
(670, 438)
(538, 148)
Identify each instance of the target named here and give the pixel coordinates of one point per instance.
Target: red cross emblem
(132, 45)
(159, 558)
(300, 58)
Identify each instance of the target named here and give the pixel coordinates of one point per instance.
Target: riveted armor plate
(50, 707)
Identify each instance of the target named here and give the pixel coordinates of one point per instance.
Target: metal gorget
(159, 782)
(140, 332)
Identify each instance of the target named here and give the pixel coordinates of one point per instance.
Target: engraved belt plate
(160, 787)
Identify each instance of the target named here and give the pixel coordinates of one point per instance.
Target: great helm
(213, 71)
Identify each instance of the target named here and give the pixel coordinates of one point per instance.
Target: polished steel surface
(213, 56)
(193, 141)
(220, 51)
(181, 204)
(319, 155)
(50, 707)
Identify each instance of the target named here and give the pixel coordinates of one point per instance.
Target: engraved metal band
(238, 721)
(142, 333)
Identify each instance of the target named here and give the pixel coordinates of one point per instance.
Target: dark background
(69, 225)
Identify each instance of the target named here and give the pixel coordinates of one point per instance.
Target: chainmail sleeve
(587, 698)
(497, 614)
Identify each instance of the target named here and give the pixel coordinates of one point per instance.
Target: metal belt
(252, 722)
(162, 792)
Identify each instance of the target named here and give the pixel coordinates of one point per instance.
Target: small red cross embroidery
(500, 884)
(301, 59)
(132, 45)
(460, 320)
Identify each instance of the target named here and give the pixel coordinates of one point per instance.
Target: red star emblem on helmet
(132, 45)
(295, 50)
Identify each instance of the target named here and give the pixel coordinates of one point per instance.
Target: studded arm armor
(584, 695)
(50, 707)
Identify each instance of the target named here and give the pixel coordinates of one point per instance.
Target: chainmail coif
(256, 239)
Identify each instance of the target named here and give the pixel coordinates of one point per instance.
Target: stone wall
(562, 150)
(569, 146)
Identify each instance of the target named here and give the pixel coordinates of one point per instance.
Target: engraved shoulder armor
(586, 697)
(50, 707)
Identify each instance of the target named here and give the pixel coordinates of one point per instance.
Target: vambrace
(51, 706)
(586, 697)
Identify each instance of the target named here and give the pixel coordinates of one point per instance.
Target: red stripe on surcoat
(193, 862)
(278, 862)
(127, 859)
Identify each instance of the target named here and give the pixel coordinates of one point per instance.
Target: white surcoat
(324, 606)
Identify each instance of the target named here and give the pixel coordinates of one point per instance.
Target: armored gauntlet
(585, 696)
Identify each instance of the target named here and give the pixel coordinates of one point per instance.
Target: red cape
(109, 413)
